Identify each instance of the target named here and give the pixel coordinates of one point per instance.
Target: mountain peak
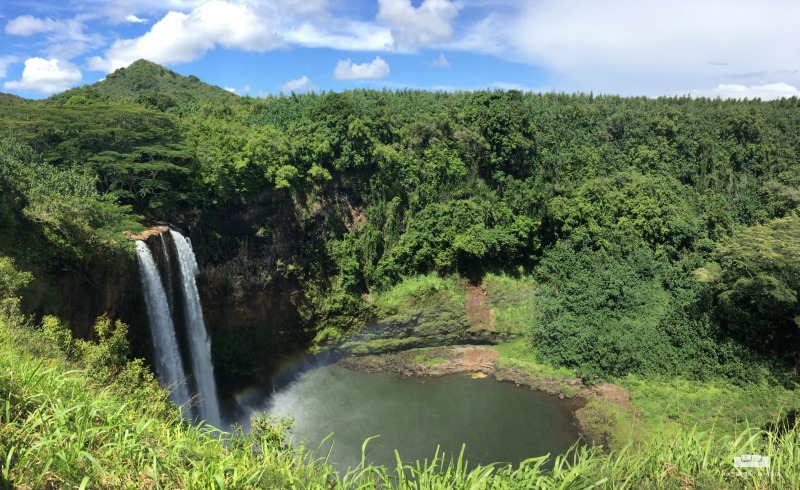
(152, 85)
(145, 77)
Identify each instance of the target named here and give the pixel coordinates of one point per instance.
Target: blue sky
(727, 48)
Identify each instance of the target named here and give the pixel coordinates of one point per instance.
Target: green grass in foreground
(60, 430)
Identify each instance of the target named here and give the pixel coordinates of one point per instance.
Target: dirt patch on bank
(479, 311)
(437, 361)
(615, 394)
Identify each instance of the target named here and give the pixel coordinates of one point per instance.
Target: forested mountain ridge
(148, 84)
(334, 196)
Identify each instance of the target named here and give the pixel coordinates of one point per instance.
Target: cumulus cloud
(135, 20)
(46, 76)
(190, 28)
(345, 36)
(4, 62)
(302, 84)
(440, 62)
(631, 44)
(413, 27)
(347, 70)
(766, 91)
(180, 37)
(118, 11)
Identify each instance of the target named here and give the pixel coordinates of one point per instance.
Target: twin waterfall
(185, 350)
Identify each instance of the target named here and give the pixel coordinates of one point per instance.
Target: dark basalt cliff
(110, 288)
(256, 261)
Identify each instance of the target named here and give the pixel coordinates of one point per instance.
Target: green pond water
(498, 422)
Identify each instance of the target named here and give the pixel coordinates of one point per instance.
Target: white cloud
(276, 23)
(651, 46)
(4, 62)
(46, 76)
(302, 84)
(487, 35)
(231, 90)
(28, 25)
(348, 36)
(66, 37)
(135, 20)
(347, 70)
(412, 27)
(766, 91)
(97, 63)
(118, 11)
(440, 62)
(180, 38)
(313, 7)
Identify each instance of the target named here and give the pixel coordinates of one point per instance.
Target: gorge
(486, 417)
(640, 254)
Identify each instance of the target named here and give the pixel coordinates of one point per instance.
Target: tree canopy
(617, 205)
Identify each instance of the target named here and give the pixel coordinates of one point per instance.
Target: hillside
(148, 84)
(11, 99)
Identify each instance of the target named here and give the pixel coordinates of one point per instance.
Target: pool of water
(497, 422)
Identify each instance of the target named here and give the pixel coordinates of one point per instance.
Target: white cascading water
(169, 367)
(168, 269)
(199, 343)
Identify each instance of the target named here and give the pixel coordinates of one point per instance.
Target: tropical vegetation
(650, 242)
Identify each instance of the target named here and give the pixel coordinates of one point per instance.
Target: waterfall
(168, 270)
(199, 344)
(168, 365)
(167, 342)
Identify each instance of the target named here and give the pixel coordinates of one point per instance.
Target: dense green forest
(662, 231)
(662, 235)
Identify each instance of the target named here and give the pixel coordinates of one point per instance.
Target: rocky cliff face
(111, 287)
(251, 261)
(249, 257)
(256, 260)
